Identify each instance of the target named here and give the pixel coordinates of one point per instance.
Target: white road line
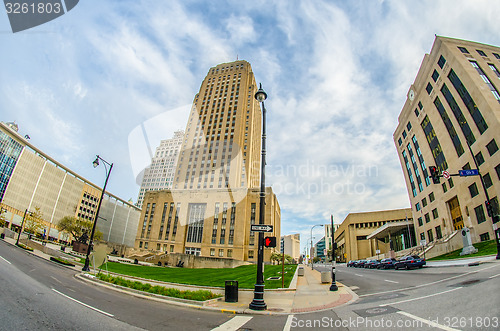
(57, 280)
(233, 324)
(288, 323)
(391, 281)
(359, 275)
(430, 323)
(5, 260)
(83, 304)
(431, 283)
(426, 296)
(494, 276)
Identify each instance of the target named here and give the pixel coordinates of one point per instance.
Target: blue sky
(336, 72)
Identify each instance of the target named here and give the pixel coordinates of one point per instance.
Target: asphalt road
(40, 295)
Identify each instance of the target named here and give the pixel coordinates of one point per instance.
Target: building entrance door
(456, 213)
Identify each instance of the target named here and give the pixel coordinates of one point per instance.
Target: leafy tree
(278, 258)
(33, 222)
(77, 227)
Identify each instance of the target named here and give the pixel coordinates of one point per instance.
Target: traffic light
(270, 242)
(489, 208)
(434, 174)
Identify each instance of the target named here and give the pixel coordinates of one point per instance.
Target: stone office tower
(451, 120)
(215, 194)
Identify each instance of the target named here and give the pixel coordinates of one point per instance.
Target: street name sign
(261, 228)
(469, 172)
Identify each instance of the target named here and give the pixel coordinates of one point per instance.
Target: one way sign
(261, 228)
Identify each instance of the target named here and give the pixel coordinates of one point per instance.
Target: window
(229, 253)
(417, 206)
(171, 248)
(492, 147)
(480, 52)
(416, 112)
(430, 235)
(497, 169)
(445, 188)
(487, 180)
(449, 126)
(463, 50)
(427, 218)
(480, 214)
(484, 236)
(428, 88)
(435, 213)
(420, 221)
(441, 62)
(212, 251)
(408, 126)
(140, 244)
(424, 202)
(435, 76)
(400, 141)
(496, 55)
(494, 69)
(422, 236)
(439, 235)
(146, 245)
(479, 158)
(431, 196)
(404, 134)
(473, 190)
(250, 254)
(420, 106)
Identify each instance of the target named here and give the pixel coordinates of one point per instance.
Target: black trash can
(2, 235)
(231, 291)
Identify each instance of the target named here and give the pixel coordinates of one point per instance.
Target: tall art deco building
(451, 120)
(215, 194)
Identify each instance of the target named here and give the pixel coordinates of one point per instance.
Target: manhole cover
(375, 311)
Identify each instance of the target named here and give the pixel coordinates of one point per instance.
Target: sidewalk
(461, 262)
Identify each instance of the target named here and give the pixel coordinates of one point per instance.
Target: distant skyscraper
(451, 120)
(160, 174)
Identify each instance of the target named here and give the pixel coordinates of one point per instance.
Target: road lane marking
(424, 297)
(391, 281)
(233, 324)
(288, 323)
(84, 304)
(359, 275)
(430, 323)
(5, 260)
(57, 280)
(494, 276)
(426, 284)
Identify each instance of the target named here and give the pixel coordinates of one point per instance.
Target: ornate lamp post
(108, 171)
(258, 298)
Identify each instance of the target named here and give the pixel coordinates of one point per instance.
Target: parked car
(408, 262)
(360, 264)
(387, 263)
(351, 263)
(372, 264)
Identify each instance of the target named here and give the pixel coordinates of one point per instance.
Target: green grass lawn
(245, 275)
(483, 248)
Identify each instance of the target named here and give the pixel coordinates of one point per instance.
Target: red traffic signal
(434, 174)
(270, 242)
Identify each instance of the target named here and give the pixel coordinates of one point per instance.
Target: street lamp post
(312, 250)
(108, 171)
(22, 224)
(334, 286)
(258, 298)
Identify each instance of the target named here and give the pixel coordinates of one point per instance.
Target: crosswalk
(237, 322)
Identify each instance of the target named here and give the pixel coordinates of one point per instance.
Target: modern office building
(362, 235)
(160, 174)
(290, 245)
(319, 249)
(451, 120)
(215, 198)
(31, 179)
